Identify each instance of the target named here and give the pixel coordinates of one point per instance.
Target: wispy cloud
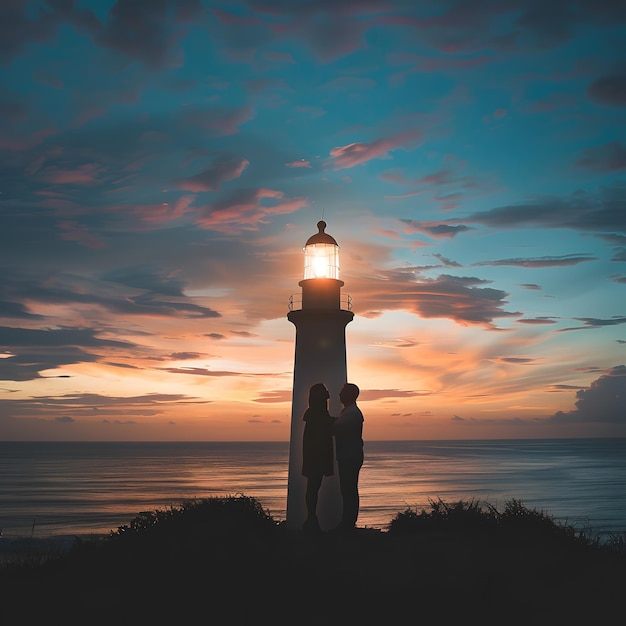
(212, 178)
(356, 153)
(607, 158)
(246, 209)
(570, 259)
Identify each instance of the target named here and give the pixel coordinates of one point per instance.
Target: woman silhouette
(317, 450)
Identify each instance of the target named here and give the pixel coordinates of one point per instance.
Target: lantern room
(321, 255)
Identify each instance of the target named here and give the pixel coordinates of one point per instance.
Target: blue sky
(163, 162)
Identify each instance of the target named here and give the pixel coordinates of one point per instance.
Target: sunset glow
(164, 164)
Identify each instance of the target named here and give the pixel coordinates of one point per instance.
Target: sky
(163, 162)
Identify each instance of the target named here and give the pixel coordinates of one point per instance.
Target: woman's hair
(318, 394)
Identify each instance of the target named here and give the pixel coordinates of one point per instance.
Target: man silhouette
(348, 431)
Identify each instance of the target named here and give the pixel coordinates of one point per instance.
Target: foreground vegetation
(227, 560)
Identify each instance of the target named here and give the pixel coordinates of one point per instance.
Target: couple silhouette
(317, 452)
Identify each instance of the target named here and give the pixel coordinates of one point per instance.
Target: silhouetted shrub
(226, 514)
(463, 516)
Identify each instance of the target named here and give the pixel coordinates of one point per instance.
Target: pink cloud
(211, 178)
(429, 65)
(245, 209)
(156, 213)
(228, 123)
(72, 231)
(23, 143)
(300, 163)
(82, 175)
(356, 153)
(220, 122)
(183, 203)
(437, 178)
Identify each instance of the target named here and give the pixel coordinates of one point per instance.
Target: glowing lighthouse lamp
(320, 316)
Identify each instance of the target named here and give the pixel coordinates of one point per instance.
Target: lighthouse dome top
(321, 255)
(321, 236)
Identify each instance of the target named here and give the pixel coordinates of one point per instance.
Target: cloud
(84, 174)
(184, 356)
(421, 65)
(604, 401)
(35, 350)
(438, 231)
(17, 28)
(244, 333)
(605, 211)
(515, 360)
(610, 157)
(258, 420)
(464, 28)
(271, 397)
(17, 310)
(67, 290)
(210, 179)
(462, 299)
(465, 300)
(148, 278)
(147, 31)
(147, 304)
(548, 261)
(73, 231)
(367, 395)
(445, 261)
(65, 419)
(593, 322)
(356, 153)
(245, 209)
(537, 321)
(329, 30)
(201, 371)
(90, 405)
(447, 186)
(219, 122)
(609, 90)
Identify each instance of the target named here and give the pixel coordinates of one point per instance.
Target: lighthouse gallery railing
(345, 302)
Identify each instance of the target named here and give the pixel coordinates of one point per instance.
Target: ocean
(67, 489)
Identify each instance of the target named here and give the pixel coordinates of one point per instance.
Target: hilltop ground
(225, 560)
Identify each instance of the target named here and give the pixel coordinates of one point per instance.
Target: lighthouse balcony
(295, 303)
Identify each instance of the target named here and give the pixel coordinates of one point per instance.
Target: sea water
(50, 489)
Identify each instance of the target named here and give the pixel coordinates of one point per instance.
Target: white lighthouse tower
(320, 315)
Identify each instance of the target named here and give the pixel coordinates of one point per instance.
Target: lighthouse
(320, 314)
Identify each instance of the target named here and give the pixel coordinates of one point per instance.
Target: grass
(226, 559)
